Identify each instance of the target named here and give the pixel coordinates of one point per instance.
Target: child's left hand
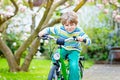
(80, 39)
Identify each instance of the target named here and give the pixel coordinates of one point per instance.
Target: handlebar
(59, 41)
(46, 37)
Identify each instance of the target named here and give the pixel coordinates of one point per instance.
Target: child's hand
(80, 39)
(41, 34)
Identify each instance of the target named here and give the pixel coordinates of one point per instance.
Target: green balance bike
(60, 69)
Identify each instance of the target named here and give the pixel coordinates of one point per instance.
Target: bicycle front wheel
(52, 74)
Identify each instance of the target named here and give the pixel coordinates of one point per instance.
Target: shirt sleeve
(51, 30)
(85, 36)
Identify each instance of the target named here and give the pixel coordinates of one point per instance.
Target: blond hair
(70, 16)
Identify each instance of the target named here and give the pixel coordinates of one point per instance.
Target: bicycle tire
(81, 69)
(52, 72)
(81, 72)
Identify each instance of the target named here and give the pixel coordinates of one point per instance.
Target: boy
(68, 29)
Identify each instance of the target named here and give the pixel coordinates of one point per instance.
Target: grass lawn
(38, 70)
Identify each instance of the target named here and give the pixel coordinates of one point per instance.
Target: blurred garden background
(25, 57)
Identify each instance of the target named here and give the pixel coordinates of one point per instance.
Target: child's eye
(72, 24)
(66, 25)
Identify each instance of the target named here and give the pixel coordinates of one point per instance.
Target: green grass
(38, 70)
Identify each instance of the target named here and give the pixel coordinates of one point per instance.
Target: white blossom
(117, 18)
(22, 8)
(8, 14)
(14, 44)
(106, 11)
(100, 6)
(9, 9)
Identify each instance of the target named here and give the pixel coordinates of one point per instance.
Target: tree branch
(9, 56)
(29, 57)
(35, 43)
(55, 21)
(54, 6)
(79, 5)
(49, 4)
(23, 47)
(30, 4)
(16, 10)
(58, 20)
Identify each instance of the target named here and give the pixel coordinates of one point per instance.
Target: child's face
(70, 27)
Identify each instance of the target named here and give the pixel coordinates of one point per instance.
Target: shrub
(101, 42)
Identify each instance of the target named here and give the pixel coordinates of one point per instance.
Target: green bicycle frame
(63, 66)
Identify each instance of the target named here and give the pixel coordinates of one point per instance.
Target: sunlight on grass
(38, 70)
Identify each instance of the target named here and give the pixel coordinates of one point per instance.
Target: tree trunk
(9, 56)
(23, 47)
(14, 61)
(35, 43)
(33, 24)
(33, 35)
(29, 57)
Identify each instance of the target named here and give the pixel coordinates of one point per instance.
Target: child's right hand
(40, 34)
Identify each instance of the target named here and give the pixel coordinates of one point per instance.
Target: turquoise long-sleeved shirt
(62, 33)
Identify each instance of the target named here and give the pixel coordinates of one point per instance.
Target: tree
(13, 59)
